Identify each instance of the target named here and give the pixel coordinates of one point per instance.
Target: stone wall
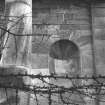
(54, 20)
(99, 38)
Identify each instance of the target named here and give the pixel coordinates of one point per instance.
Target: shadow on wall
(64, 49)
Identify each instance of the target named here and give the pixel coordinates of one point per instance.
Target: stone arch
(68, 53)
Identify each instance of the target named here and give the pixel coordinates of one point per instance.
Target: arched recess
(64, 58)
(64, 51)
